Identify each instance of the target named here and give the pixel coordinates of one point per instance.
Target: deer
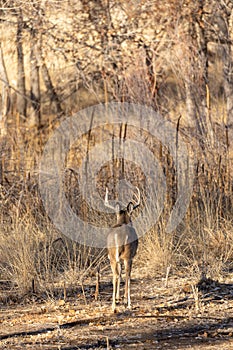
(122, 244)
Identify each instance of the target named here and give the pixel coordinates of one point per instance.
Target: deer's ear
(130, 208)
(117, 208)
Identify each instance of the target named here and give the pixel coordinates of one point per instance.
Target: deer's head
(123, 214)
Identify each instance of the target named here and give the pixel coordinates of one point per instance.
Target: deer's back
(125, 238)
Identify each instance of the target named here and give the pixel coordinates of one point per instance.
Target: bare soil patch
(183, 315)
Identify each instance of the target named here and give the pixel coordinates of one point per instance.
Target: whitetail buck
(122, 244)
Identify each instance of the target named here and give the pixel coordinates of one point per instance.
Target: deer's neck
(123, 219)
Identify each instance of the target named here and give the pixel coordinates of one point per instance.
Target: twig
(85, 300)
(167, 275)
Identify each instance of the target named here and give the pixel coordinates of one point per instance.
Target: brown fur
(122, 243)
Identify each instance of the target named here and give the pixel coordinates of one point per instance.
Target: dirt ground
(182, 315)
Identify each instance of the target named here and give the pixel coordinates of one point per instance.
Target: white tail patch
(126, 239)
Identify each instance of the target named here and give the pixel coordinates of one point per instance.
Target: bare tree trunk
(21, 96)
(228, 82)
(196, 80)
(5, 95)
(48, 83)
(228, 63)
(205, 110)
(225, 37)
(35, 115)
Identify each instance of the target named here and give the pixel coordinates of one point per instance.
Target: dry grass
(32, 250)
(34, 257)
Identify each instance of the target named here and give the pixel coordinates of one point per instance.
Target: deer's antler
(106, 202)
(138, 198)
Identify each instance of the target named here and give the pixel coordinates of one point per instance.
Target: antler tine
(138, 198)
(106, 202)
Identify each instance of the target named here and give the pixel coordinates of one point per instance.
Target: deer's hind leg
(116, 271)
(128, 267)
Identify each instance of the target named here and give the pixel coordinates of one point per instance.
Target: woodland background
(57, 57)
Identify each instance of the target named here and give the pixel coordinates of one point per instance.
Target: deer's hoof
(114, 308)
(127, 305)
